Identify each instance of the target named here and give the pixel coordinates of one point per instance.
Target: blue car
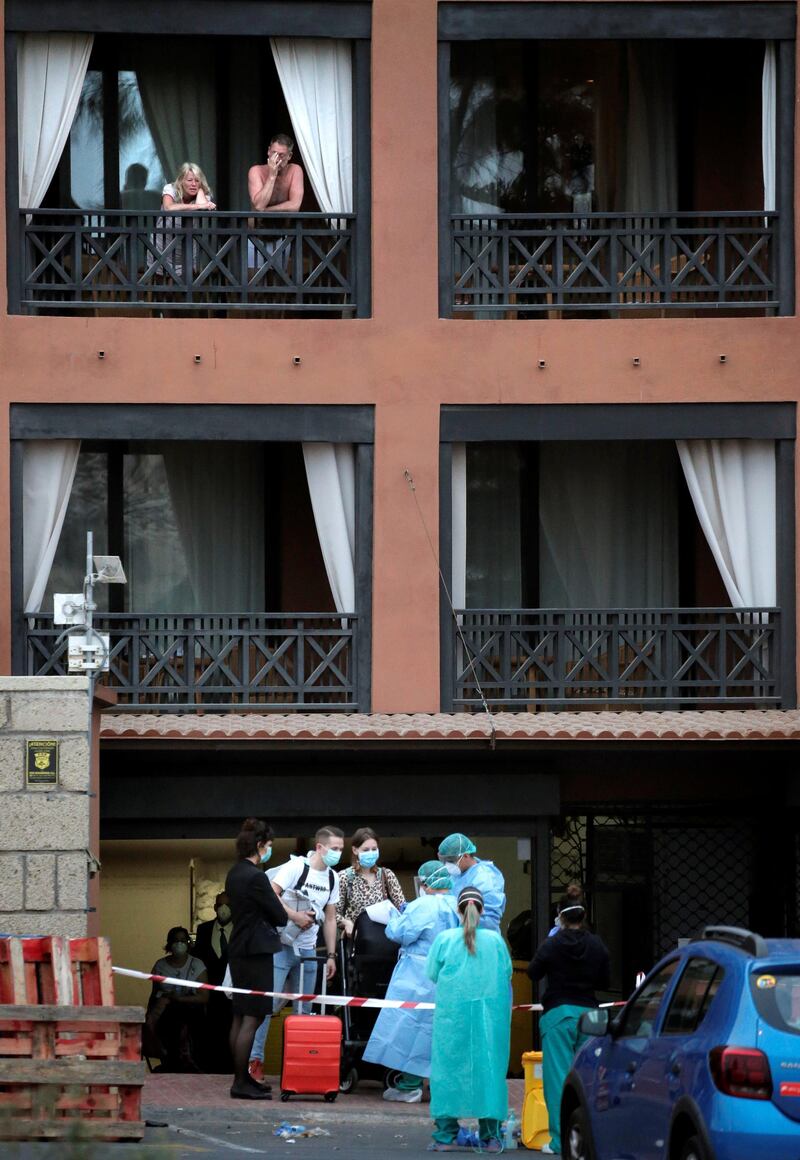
(702, 1062)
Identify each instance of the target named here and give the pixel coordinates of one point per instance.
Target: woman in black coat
(256, 911)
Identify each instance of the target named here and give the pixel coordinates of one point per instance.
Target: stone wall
(45, 831)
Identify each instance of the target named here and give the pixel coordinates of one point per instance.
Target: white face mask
(223, 915)
(453, 869)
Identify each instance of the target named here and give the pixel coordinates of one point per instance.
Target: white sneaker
(549, 1150)
(403, 1097)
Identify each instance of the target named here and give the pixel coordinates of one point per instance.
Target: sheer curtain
(331, 475)
(768, 123)
(459, 529)
(51, 67)
(732, 484)
(649, 182)
(48, 472)
(316, 77)
(178, 95)
(608, 533)
(218, 495)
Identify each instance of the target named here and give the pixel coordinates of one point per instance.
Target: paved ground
(193, 1117)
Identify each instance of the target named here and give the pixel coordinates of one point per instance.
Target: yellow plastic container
(535, 1132)
(273, 1049)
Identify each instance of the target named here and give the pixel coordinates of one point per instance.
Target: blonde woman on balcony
(364, 882)
(189, 190)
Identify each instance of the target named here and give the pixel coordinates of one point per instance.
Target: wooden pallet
(56, 970)
(68, 1070)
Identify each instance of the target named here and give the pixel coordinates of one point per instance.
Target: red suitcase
(312, 1052)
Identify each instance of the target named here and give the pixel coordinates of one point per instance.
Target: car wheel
(694, 1149)
(349, 1081)
(578, 1140)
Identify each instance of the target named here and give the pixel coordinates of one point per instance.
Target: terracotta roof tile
(710, 725)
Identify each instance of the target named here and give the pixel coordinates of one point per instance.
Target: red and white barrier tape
(330, 1000)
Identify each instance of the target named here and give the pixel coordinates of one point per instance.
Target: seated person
(134, 194)
(174, 1013)
(275, 187)
(211, 945)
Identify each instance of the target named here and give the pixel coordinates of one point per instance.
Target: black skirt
(255, 973)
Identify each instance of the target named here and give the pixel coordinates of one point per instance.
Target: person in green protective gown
(471, 967)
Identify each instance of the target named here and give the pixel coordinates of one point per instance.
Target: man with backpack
(307, 887)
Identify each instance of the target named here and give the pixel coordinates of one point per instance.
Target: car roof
(778, 951)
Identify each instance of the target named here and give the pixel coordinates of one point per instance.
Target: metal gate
(653, 877)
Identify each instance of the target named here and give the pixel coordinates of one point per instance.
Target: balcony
(664, 658)
(622, 173)
(303, 661)
(211, 263)
(542, 265)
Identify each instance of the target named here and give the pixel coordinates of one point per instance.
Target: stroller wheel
(390, 1079)
(349, 1081)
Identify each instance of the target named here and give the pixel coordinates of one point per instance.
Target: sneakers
(549, 1150)
(412, 1097)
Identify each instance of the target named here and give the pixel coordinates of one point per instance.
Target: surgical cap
(454, 845)
(434, 875)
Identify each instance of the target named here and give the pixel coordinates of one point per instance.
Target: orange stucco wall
(404, 360)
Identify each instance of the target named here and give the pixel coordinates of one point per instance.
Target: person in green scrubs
(576, 964)
(471, 968)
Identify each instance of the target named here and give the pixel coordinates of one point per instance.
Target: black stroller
(366, 962)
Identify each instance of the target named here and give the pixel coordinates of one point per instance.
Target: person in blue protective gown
(471, 967)
(401, 1039)
(459, 855)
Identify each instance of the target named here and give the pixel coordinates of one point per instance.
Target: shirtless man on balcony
(276, 187)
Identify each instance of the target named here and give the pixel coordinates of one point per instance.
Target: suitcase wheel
(285, 1096)
(330, 1097)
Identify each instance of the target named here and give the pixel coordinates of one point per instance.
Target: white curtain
(178, 95)
(608, 533)
(218, 494)
(48, 471)
(316, 77)
(650, 179)
(458, 582)
(732, 484)
(768, 123)
(51, 67)
(331, 475)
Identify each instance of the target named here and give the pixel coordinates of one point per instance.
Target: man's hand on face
(276, 163)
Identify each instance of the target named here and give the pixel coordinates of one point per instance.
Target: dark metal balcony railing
(540, 264)
(270, 661)
(654, 657)
(164, 263)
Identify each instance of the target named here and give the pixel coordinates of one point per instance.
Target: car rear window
(777, 997)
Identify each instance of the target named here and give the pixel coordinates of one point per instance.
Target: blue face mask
(266, 857)
(331, 857)
(369, 858)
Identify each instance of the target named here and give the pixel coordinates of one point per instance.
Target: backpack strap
(300, 883)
